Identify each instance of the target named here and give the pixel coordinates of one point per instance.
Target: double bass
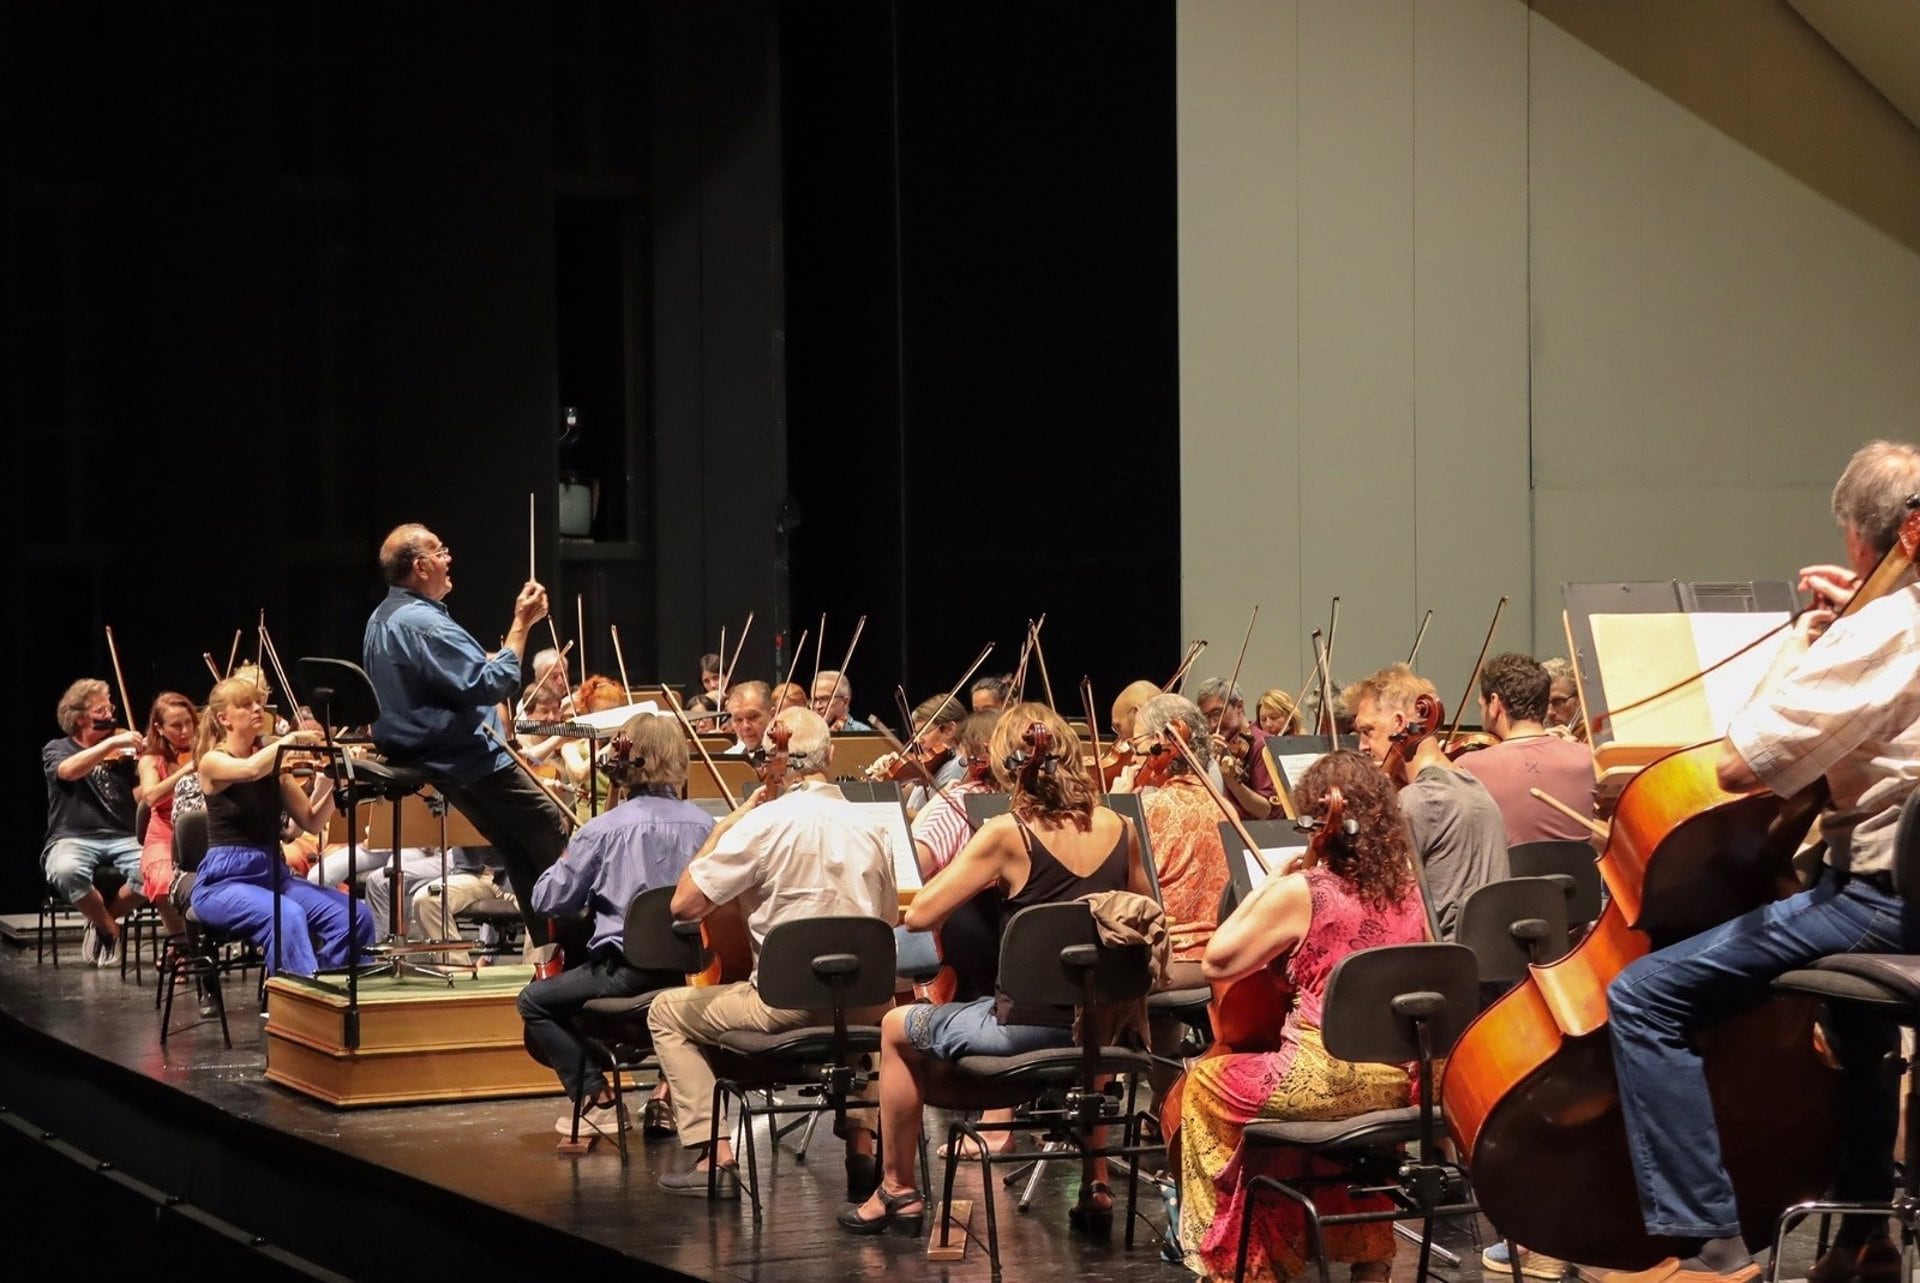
(1530, 1086)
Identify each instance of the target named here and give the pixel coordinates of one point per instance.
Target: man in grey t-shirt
(1457, 830)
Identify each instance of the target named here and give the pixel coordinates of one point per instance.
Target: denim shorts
(955, 1029)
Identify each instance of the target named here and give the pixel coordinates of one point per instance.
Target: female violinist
(1276, 713)
(1057, 844)
(1361, 893)
(245, 800)
(167, 756)
(929, 755)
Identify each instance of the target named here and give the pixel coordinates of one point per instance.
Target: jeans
(69, 863)
(1658, 1002)
(548, 1008)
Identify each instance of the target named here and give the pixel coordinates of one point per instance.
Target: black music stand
(342, 695)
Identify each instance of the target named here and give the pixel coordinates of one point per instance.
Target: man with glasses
(832, 697)
(440, 693)
(90, 782)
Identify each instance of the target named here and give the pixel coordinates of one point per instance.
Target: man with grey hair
(832, 697)
(1244, 777)
(1563, 699)
(90, 814)
(1841, 703)
(807, 853)
(749, 708)
(643, 843)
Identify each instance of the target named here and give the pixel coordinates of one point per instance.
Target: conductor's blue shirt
(437, 689)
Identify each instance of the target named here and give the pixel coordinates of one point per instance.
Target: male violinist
(439, 691)
(748, 713)
(807, 853)
(1842, 701)
(1457, 830)
(90, 813)
(1244, 777)
(832, 698)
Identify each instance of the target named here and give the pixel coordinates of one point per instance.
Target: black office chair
(831, 964)
(201, 953)
(1574, 864)
(1513, 924)
(614, 1030)
(1050, 956)
(1388, 1005)
(1889, 985)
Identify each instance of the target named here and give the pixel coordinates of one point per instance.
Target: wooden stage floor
(491, 1167)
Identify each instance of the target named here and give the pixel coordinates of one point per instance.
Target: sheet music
(1276, 858)
(1294, 765)
(893, 823)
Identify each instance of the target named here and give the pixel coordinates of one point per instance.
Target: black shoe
(890, 1221)
(863, 1177)
(1088, 1217)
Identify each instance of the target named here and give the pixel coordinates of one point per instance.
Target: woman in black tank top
(1057, 845)
(234, 887)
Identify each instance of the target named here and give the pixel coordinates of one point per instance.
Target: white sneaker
(595, 1119)
(109, 952)
(90, 945)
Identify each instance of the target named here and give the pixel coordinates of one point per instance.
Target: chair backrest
(1906, 847)
(1572, 860)
(799, 962)
(1373, 995)
(341, 692)
(190, 840)
(1039, 950)
(1513, 923)
(648, 937)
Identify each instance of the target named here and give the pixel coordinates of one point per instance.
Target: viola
(1404, 746)
(1246, 1014)
(1157, 762)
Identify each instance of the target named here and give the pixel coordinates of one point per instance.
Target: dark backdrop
(277, 277)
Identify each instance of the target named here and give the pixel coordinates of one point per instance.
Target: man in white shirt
(808, 853)
(748, 712)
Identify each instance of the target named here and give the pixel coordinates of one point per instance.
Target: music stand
(342, 695)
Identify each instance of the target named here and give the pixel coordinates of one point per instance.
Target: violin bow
(819, 644)
(580, 631)
(1419, 637)
(740, 644)
(953, 694)
(1326, 693)
(680, 715)
(846, 661)
(1040, 655)
(1180, 674)
(1473, 680)
(526, 768)
(272, 656)
(1093, 732)
(1313, 676)
(791, 664)
(212, 667)
(620, 661)
(113, 652)
(233, 655)
(560, 667)
(1233, 682)
(1017, 692)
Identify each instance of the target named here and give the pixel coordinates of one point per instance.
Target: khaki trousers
(685, 1022)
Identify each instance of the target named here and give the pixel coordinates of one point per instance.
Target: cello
(1532, 1080)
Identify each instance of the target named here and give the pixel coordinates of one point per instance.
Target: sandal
(891, 1219)
(1087, 1216)
(970, 1148)
(656, 1121)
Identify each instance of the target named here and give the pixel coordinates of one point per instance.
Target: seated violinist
(939, 720)
(785, 696)
(1244, 777)
(1301, 924)
(1183, 828)
(1277, 714)
(238, 874)
(164, 759)
(748, 712)
(1458, 833)
(1057, 844)
(802, 852)
(1563, 700)
(711, 668)
(833, 700)
(644, 842)
(989, 694)
(1513, 704)
(941, 828)
(90, 810)
(1841, 702)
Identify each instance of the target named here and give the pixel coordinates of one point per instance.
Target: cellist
(1841, 702)
(1360, 894)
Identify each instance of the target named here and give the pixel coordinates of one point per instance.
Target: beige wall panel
(1471, 523)
(1239, 356)
(1356, 322)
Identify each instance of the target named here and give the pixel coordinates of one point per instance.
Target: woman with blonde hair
(245, 798)
(1276, 713)
(1058, 843)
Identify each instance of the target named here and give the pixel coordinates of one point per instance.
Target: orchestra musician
(1361, 894)
(1841, 702)
(439, 691)
(245, 797)
(1513, 704)
(832, 697)
(90, 812)
(1276, 713)
(807, 853)
(990, 694)
(1457, 829)
(785, 696)
(1244, 777)
(164, 758)
(645, 842)
(1056, 844)
(749, 709)
(1563, 700)
(711, 668)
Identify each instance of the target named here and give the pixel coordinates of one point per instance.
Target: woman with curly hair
(1058, 844)
(1361, 894)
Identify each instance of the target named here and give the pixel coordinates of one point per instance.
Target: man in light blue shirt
(438, 692)
(643, 843)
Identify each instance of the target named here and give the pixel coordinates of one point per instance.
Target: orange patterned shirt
(1183, 827)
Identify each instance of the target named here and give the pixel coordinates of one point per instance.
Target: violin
(1247, 1014)
(1116, 760)
(1404, 746)
(1157, 763)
